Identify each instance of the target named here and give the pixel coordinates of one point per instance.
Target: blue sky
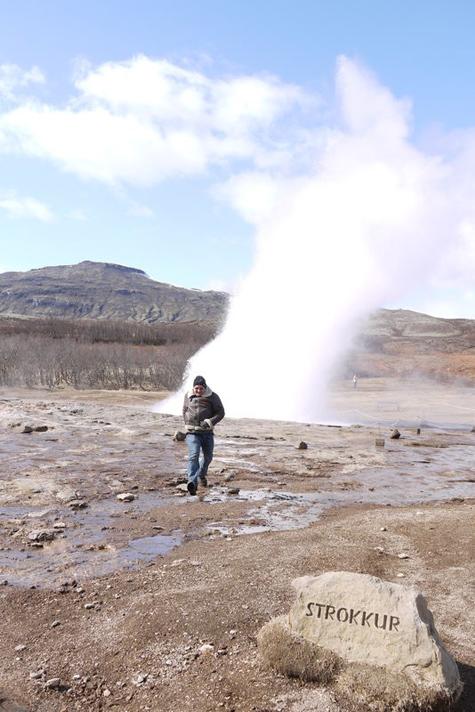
(183, 221)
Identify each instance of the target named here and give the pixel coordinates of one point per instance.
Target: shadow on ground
(467, 698)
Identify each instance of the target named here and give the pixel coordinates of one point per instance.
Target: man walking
(202, 409)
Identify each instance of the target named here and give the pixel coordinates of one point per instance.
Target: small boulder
(42, 535)
(395, 434)
(76, 504)
(126, 497)
(140, 679)
(367, 620)
(302, 445)
(27, 429)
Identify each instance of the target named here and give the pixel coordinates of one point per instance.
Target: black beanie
(199, 381)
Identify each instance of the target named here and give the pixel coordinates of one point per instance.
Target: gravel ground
(154, 603)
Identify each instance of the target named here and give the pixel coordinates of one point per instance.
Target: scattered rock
(20, 648)
(182, 487)
(206, 648)
(395, 434)
(302, 445)
(403, 556)
(53, 683)
(234, 490)
(27, 429)
(76, 504)
(88, 606)
(140, 679)
(177, 562)
(228, 477)
(55, 624)
(38, 535)
(179, 436)
(40, 429)
(384, 529)
(126, 497)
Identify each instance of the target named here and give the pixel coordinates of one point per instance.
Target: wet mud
(60, 519)
(154, 603)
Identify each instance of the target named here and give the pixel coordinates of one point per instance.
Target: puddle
(80, 551)
(424, 481)
(61, 560)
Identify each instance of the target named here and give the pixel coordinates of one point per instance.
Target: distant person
(355, 380)
(202, 409)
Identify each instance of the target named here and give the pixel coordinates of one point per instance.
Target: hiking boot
(191, 488)
(204, 481)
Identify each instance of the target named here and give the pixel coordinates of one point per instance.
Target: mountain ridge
(104, 290)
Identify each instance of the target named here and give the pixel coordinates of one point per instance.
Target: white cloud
(77, 214)
(254, 195)
(140, 211)
(13, 78)
(17, 207)
(144, 120)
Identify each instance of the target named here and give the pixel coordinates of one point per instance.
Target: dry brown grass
(365, 688)
(295, 657)
(356, 687)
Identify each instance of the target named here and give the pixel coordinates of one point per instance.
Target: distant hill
(390, 342)
(394, 329)
(405, 343)
(96, 290)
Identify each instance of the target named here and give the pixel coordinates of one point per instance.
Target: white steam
(372, 219)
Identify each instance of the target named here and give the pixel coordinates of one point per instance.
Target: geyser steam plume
(369, 220)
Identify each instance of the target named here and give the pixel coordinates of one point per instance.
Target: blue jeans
(196, 442)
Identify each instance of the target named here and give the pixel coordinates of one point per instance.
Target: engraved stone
(366, 620)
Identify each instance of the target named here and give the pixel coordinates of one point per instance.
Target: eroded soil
(155, 603)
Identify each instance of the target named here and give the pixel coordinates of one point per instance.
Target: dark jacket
(196, 409)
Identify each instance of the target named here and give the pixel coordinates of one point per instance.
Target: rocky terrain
(120, 591)
(403, 343)
(93, 290)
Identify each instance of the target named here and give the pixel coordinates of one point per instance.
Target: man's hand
(207, 424)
